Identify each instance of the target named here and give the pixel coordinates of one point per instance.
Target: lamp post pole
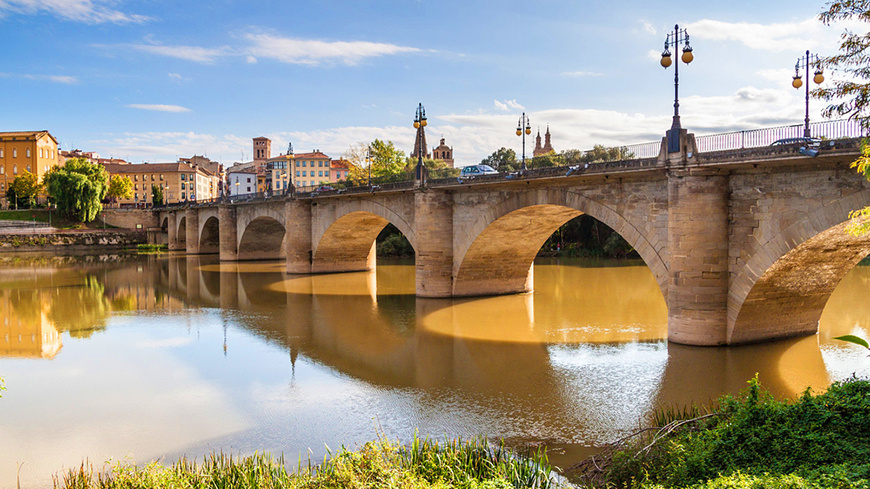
(805, 62)
(673, 39)
(524, 128)
(419, 123)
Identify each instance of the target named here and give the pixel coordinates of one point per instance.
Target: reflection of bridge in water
(397, 340)
(745, 245)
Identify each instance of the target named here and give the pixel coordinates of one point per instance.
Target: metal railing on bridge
(756, 138)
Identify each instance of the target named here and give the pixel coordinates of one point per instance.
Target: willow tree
(78, 188)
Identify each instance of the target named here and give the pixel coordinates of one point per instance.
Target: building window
(182, 185)
(297, 173)
(1, 153)
(14, 168)
(136, 187)
(249, 180)
(28, 167)
(161, 177)
(319, 173)
(40, 153)
(304, 174)
(15, 152)
(2, 170)
(182, 177)
(28, 152)
(152, 177)
(249, 189)
(304, 163)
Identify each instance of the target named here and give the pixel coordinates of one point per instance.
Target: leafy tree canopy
(78, 188)
(503, 160)
(156, 195)
(387, 162)
(120, 188)
(24, 189)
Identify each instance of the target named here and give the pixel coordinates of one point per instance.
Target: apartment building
(31, 151)
(179, 181)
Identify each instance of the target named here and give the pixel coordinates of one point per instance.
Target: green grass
(751, 441)
(152, 248)
(423, 464)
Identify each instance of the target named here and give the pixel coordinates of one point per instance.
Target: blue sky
(152, 80)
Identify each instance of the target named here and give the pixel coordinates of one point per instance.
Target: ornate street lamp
(673, 39)
(524, 128)
(805, 62)
(420, 170)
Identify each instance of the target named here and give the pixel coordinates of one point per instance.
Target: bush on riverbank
(753, 442)
(424, 464)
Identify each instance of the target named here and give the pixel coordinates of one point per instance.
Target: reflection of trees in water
(80, 311)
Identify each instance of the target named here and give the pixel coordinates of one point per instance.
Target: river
(148, 357)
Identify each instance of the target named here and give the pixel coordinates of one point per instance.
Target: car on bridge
(473, 171)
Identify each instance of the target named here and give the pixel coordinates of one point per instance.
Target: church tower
(548, 148)
(443, 153)
(538, 147)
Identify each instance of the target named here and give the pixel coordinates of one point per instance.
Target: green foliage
(78, 188)
(585, 236)
(823, 439)
(119, 188)
(392, 243)
(438, 168)
(549, 160)
(597, 154)
(423, 465)
(156, 195)
(388, 164)
(2, 386)
(503, 160)
(854, 339)
(24, 190)
(851, 92)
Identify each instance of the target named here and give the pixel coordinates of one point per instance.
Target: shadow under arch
(262, 240)
(209, 238)
(181, 235)
(505, 240)
(788, 298)
(348, 244)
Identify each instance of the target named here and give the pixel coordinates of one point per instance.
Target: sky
(151, 80)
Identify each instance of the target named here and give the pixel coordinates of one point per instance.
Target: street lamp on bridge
(523, 131)
(805, 62)
(419, 123)
(673, 39)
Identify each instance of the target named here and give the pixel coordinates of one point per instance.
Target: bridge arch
(262, 239)
(209, 234)
(495, 255)
(347, 240)
(783, 288)
(181, 235)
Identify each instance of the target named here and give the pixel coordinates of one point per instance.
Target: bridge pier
(228, 232)
(192, 229)
(172, 222)
(433, 227)
(698, 245)
(297, 241)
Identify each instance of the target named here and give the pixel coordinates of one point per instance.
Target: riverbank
(71, 241)
(381, 464)
(751, 441)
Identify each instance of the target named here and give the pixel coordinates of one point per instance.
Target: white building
(243, 182)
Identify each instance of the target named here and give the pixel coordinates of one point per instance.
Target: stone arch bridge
(746, 245)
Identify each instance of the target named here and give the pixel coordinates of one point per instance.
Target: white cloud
(654, 55)
(86, 11)
(159, 107)
(792, 36)
(65, 79)
(649, 28)
(508, 105)
(251, 60)
(308, 52)
(190, 53)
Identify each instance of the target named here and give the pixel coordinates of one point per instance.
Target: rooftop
(27, 134)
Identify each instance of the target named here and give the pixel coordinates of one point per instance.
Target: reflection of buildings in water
(26, 335)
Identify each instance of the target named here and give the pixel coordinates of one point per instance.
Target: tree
(437, 168)
(25, 188)
(119, 188)
(850, 94)
(156, 195)
(503, 160)
(597, 154)
(78, 188)
(388, 164)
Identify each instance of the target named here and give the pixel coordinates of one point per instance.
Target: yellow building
(32, 151)
(311, 169)
(180, 182)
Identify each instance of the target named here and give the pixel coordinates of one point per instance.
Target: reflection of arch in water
(782, 289)
(504, 240)
(262, 240)
(181, 236)
(348, 244)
